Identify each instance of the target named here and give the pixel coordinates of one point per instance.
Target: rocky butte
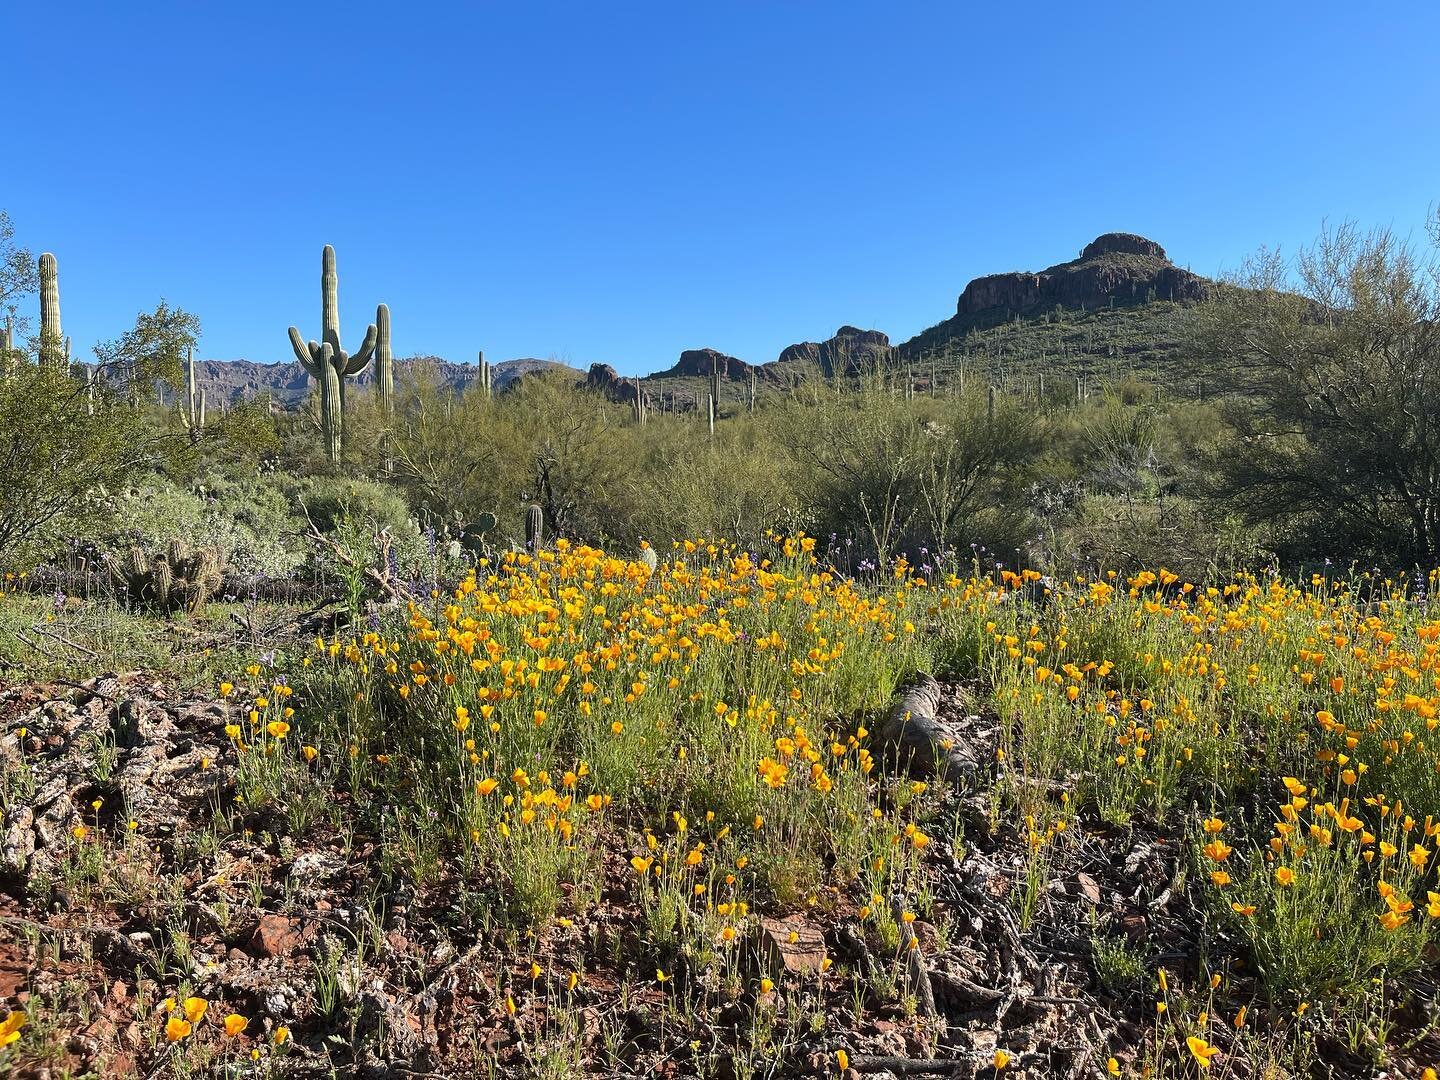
(1119, 268)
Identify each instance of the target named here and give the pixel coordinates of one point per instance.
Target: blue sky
(618, 182)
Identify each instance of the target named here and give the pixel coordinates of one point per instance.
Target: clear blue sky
(620, 181)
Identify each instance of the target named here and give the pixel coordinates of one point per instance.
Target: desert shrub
(898, 476)
(354, 513)
(739, 485)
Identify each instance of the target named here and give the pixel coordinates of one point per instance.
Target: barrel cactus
(326, 361)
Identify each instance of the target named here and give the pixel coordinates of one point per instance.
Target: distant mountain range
(1109, 307)
(288, 384)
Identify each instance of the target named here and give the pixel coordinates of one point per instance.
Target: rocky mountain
(1113, 309)
(1115, 302)
(287, 384)
(694, 362)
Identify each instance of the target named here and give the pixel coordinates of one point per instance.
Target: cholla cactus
(174, 579)
(326, 362)
(54, 348)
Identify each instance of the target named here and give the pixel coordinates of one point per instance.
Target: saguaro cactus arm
(307, 353)
(356, 363)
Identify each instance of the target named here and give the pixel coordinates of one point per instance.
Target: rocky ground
(127, 881)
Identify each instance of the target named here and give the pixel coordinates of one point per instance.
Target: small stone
(793, 944)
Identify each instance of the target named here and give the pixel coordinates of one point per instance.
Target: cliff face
(1118, 268)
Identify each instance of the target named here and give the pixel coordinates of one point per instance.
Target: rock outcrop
(604, 379)
(1116, 268)
(849, 351)
(702, 362)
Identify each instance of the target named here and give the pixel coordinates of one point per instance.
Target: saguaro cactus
(484, 373)
(326, 362)
(8, 354)
(384, 360)
(534, 527)
(53, 348)
(192, 408)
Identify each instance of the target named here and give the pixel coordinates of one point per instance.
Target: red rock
(275, 936)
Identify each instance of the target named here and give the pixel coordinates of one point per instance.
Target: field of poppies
(597, 815)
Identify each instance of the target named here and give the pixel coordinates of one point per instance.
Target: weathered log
(918, 741)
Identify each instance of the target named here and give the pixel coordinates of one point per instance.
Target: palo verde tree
(1334, 371)
(63, 444)
(19, 276)
(154, 350)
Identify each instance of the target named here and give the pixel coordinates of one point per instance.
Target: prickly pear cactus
(469, 537)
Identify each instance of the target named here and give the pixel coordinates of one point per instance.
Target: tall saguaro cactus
(384, 360)
(326, 361)
(53, 351)
(192, 408)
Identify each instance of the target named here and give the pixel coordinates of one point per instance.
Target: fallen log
(916, 740)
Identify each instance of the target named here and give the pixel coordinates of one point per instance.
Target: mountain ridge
(1116, 272)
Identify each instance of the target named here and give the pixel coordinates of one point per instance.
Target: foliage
(153, 349)
(1336, 372)
(19, 275)
(59, 446)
